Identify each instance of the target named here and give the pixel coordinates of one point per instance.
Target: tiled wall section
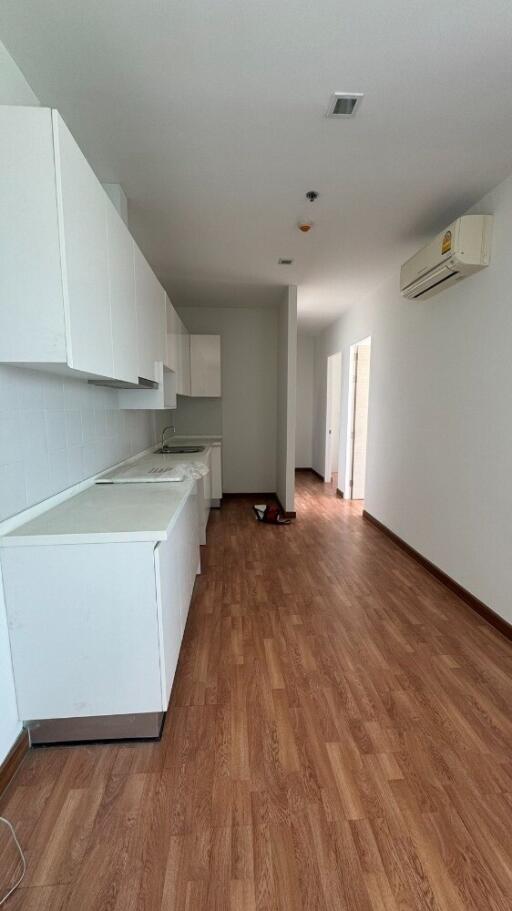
(56, 432)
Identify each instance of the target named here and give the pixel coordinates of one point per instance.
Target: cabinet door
(207, 493)
(191, 556)
(183, 387)
(168, 572)
(83, 230)
(205, 365)
(122, 297)
(32, 327)
(83, 629)
(176, 561)
(172, 359)
(150, 301)
(216, 465)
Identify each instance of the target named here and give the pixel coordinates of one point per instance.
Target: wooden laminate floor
(339, 738)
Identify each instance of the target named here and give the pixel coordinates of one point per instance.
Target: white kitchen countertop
(171, 440)
(110, 513)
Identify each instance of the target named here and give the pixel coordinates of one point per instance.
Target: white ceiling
(210, 113)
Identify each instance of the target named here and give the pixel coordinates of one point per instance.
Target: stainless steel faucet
(171, 428)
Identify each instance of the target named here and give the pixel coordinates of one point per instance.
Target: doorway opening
(357, 424)
(332, 418)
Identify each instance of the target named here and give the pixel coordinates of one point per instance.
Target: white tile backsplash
(11, 436)
(37, 475)
(56, 432)
(55, 422)
(74, 428)
(13, 495)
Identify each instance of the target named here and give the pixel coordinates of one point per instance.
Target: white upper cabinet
(183, 376)
(83, 223)
(178, 349)
(32, 327)
(76, 294)
(195, 359)
(172, 320)
(205, 365)
(122, 297)
(161, 398)
(151, 325)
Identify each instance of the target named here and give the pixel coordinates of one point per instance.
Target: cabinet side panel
(83, 628)
(31, 302)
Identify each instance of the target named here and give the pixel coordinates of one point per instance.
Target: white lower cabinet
(204, 486)
(96, 629)
(176, 565)
(216, 474)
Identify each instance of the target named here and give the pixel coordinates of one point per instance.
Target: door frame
(334, 364)
(352, 388)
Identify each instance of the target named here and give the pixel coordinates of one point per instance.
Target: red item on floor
(270, 514)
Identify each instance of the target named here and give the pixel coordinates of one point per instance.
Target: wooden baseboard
(340, 494)
(269, 494)
(288, 514)
(471, 600)
(13, 760)
(263, 495)
(313, 470)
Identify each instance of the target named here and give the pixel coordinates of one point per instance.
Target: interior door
(360, 424)
(332, 424)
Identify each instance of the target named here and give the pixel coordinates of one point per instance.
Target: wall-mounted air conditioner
(463, 248)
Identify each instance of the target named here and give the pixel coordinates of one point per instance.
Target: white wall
(286, 398)
(14, 88)
(53, 433)
(304, 421)
(440, 415)
(249, 391)
(196, 416)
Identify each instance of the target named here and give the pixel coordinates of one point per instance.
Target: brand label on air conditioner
(447, 242)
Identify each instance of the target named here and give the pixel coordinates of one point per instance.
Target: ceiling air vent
(285, 262)
(344, 104)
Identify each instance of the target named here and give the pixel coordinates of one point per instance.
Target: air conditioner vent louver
(430, 287)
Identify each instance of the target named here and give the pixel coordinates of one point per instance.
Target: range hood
(143, 383)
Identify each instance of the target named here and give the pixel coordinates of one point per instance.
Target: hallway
(339, 738)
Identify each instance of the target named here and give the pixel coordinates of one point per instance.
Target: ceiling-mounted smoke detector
(284, 262)
(344, 104)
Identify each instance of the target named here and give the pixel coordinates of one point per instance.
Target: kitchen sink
(175, 450)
